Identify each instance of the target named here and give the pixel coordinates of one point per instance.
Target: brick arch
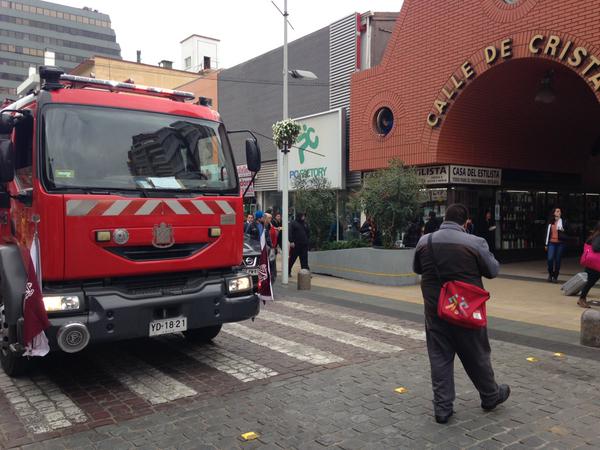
(520, 50)
(496, 122)
(502, 12)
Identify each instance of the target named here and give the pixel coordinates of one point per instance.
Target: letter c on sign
(532, 47)
(433, 120)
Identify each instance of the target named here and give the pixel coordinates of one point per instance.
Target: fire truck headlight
(54, 303)
(238, 285)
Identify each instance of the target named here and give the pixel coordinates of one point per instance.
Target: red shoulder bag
(460, 303)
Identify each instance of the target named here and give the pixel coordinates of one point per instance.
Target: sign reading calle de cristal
(319, 149)
(561, 49)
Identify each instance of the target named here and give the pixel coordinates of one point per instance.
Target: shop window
(383, 121)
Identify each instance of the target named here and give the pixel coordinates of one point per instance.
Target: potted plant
(285, 133)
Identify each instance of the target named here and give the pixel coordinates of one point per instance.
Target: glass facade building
(29, 27)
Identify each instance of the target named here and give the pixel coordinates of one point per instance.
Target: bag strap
(430, 247)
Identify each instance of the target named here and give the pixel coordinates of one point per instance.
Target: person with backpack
(451, 254)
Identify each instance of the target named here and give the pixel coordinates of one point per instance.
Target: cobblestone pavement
(303, 375)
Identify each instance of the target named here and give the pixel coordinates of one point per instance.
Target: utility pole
(284, 159)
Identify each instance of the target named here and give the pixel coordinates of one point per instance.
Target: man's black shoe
(443, 419)
(503, 394)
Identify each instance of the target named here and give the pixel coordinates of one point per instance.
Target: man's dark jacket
(299, 233)
(459, 257)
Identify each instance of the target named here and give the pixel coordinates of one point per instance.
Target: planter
(370, 265)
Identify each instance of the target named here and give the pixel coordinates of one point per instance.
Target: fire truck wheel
(203, 334)
(13, 364)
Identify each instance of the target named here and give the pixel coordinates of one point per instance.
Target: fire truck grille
(150, 253)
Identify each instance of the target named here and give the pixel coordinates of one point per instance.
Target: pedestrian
(369, 231)
(432, 223)
(459, 257)
(299, 239)
(277, 225)
(487, 230)
(272, 232)
(593, 275)
(470, 226)
(247, 224)
(556, 235)
(256, 228)
(413, 233)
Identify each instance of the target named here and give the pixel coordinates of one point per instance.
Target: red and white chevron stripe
(146, 207)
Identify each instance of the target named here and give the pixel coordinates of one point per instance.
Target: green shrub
(341, 245)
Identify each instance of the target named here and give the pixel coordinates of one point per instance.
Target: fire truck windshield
(87, 147)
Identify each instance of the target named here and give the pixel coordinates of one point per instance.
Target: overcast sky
(246, 28)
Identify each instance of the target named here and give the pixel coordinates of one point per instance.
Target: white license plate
(252, 272)
(167, 326)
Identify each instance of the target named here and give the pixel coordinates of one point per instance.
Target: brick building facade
(510, 85)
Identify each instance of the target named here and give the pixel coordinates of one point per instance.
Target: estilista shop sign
(553, 46)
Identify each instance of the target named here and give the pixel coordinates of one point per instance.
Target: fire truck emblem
(162, 236)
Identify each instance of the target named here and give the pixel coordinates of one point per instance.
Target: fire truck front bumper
(112, 315)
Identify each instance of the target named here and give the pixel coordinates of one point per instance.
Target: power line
(293, 146)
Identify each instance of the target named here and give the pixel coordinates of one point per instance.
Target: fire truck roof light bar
(117, 86)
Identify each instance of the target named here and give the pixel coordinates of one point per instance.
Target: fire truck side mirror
(7, 161)
(253, 158)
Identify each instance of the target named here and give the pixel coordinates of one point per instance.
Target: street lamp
(298, 74)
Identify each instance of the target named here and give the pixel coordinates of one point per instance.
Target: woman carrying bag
(591, 261)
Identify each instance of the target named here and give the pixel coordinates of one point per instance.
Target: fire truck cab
(132, 197)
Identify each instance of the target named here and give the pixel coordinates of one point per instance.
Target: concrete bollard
(590, 328)
(304, 280)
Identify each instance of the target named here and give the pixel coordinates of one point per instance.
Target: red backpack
(460, 303)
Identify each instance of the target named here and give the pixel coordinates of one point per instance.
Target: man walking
(459, 257)
(432, 223)
(299, 235)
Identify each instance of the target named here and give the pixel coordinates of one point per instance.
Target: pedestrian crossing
(145, 380)
(290, 348)
(40, 404)
(225, 361)
(369, 323)
(243, 353)
(330, 333)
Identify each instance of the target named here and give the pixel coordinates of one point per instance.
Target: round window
(384, 121)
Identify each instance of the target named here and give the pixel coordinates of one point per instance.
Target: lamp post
(299, 74)
(284, 160)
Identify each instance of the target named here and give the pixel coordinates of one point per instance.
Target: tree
(390, 198)
(314, 196)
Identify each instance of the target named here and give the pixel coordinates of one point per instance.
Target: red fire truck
(133, 196)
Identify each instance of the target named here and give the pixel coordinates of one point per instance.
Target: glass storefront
(521, 216)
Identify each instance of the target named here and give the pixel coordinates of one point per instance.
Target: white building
(199, 53)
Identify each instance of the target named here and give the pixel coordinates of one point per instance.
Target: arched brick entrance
(495, 121)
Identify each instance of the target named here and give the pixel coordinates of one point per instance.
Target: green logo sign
(305, 140)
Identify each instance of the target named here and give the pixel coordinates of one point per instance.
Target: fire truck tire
(13, 364)
(206, 334)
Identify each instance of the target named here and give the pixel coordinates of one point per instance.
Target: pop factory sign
(319, 150)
